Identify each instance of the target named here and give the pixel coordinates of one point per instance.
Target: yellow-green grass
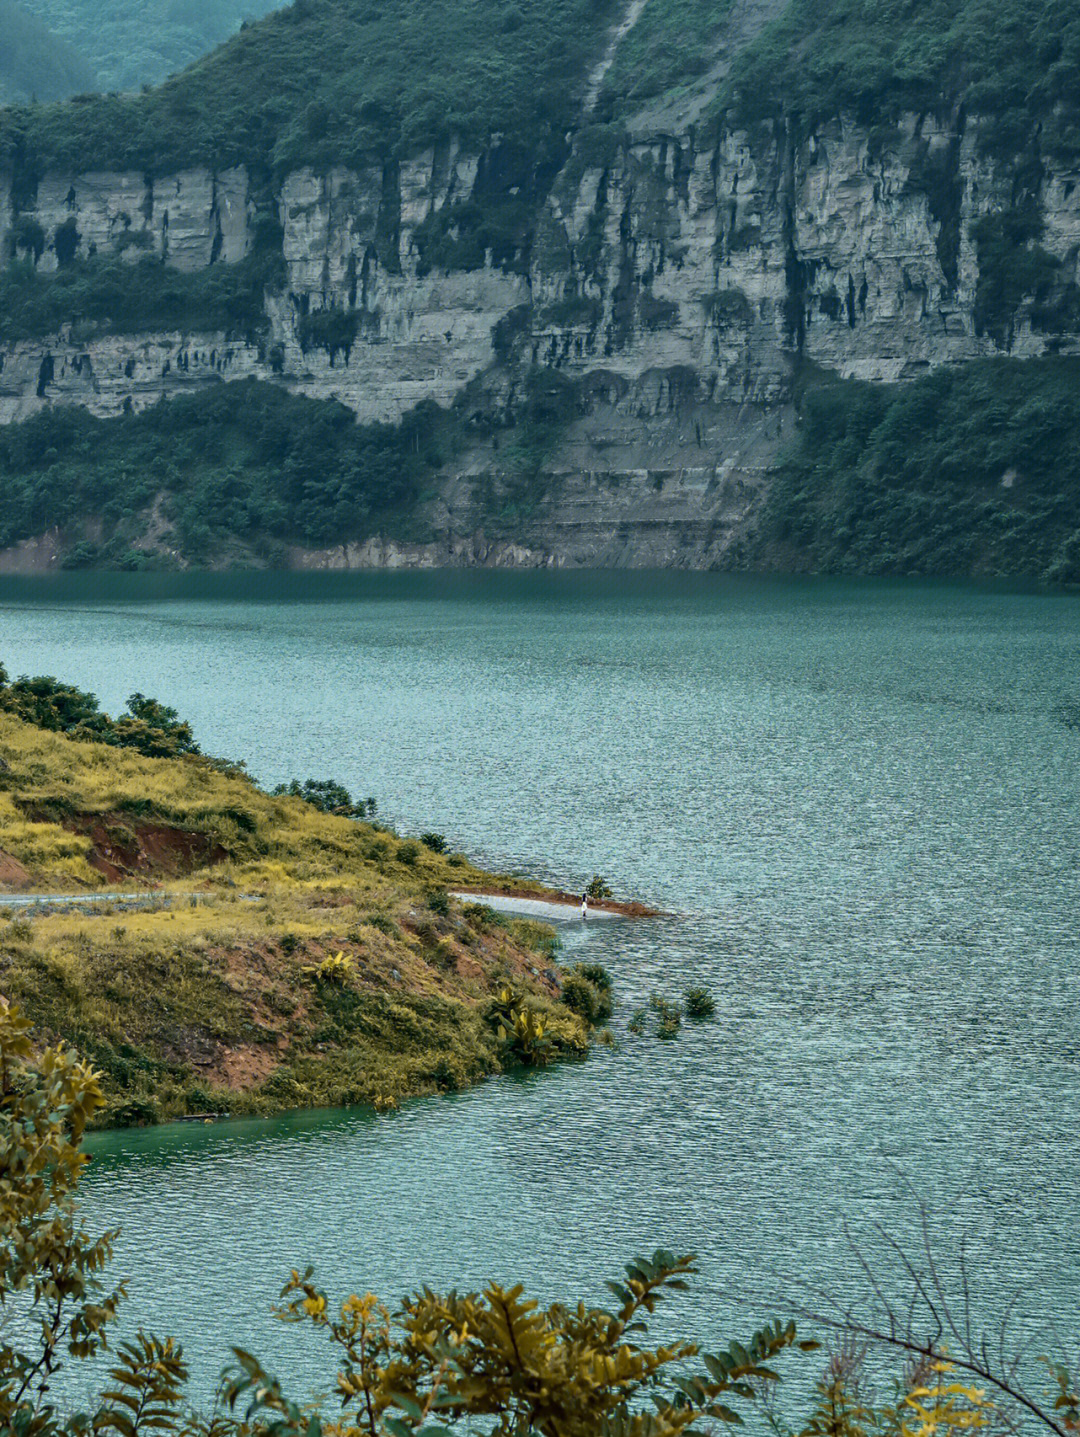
(269, 840)
(210, 1000)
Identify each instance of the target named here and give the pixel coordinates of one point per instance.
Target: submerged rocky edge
(265, 954)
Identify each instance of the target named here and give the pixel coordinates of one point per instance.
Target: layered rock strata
(674, 283)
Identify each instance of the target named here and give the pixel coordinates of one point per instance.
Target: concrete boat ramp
(542, 908)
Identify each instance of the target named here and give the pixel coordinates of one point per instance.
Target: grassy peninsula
(281, 957)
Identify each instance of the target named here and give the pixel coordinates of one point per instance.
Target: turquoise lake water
(859, 802)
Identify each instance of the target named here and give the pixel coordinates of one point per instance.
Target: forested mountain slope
(130, 43)
(592, 276)
(36, 64)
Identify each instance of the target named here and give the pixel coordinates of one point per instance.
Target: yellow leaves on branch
(943, 1406)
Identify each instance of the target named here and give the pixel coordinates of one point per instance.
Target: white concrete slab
(535, 908)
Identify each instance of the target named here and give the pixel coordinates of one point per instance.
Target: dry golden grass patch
(219, 997)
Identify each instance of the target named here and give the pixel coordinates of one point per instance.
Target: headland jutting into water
(254, 952)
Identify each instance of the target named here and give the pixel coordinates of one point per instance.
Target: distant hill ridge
(36, 64)
(130, 43)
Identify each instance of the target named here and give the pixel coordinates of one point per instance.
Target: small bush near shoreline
(700, 1004)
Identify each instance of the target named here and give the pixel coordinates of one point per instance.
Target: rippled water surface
(858, 800)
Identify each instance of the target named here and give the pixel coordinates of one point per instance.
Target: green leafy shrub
(329, 796)
(700, 1004)
(597, 974)
(152, 728)
(668, 1015)
(584, 998)
(336, 968)
(520, 1030)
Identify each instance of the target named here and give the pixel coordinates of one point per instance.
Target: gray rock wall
(716, 264)
(675, 285)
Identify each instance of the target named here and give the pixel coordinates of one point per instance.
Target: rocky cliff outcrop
(674, 282)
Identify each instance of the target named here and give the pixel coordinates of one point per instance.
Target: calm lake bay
(857, 800)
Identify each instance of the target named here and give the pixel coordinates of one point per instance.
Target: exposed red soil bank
(12, 874)
(124, 848)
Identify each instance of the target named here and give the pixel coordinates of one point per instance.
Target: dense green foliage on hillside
(154, 729)
(107, 293)
(139, 42)
(1012, 61)
(968, 471)
(240, 463)
(337, 80)
(326, 80)
(672, 44)
(36, 64)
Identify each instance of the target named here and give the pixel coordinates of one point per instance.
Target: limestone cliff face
(673, 283)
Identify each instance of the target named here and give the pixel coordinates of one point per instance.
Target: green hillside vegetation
(240, 463)
(328, 81)
(131, 43)
(36, 64)
(672, 44)
(1015, 62)
(974, 470)
(154, 729)
(233, 473)
(109, 294)
(968, 471)
(283, 956)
